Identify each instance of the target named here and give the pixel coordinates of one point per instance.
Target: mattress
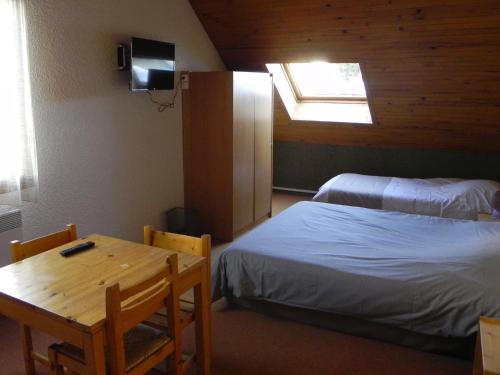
(444, 197)
(428, 275)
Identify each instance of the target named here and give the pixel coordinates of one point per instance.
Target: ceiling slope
(432, 66)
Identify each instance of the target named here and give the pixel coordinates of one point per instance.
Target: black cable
(165, 105)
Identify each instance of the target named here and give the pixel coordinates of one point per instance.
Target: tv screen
(153, 65)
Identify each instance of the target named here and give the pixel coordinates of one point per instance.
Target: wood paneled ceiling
(432, 67)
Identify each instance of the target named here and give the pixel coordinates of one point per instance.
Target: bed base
(456, 347)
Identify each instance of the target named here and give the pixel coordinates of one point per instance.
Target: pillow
(480, 194)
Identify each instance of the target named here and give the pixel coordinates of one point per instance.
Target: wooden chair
(23, 250)
(132, 347)
(183, 244)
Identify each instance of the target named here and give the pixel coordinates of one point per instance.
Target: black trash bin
(183, 221)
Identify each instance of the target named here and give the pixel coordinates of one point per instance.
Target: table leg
(29, 363)
(93, 347)
(478, 357)
(202, 301)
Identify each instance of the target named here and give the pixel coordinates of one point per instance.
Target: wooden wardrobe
(227, 123)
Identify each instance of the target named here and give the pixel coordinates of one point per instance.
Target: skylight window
(322, 91)
(321, 80)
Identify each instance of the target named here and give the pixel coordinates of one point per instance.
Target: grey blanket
(425, 274)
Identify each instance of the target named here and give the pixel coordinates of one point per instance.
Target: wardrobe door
(208, 147)
(263, 144)
(243, 150)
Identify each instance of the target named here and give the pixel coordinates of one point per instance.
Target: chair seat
(140, 343)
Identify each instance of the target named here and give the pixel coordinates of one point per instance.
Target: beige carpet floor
(248, 343)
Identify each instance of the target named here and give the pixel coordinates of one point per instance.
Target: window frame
(322, 99)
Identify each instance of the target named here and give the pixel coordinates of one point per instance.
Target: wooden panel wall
(432, 66)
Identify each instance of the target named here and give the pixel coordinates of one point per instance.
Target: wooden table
(65, 297)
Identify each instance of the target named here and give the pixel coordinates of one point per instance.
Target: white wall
(107, 160)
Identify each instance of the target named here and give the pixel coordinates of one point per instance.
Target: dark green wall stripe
(308, 166)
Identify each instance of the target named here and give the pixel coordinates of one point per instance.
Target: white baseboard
(294, 190)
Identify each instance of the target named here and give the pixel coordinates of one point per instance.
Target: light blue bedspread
(425, 274)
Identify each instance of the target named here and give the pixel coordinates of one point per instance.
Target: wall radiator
(10, 229)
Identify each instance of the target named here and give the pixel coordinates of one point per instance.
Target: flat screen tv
(152, 65)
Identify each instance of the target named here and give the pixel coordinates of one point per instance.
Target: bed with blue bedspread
(423, 274)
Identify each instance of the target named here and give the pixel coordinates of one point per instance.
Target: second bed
(444, 197)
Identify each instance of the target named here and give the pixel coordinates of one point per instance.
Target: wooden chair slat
(178, 242)
(144, 285)
(159, 321)
(133, 315)
(27, 249)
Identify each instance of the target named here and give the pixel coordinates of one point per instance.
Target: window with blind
(18, 170)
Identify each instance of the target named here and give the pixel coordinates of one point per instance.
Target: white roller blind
(18, 174)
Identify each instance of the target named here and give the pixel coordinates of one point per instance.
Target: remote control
(77, 249)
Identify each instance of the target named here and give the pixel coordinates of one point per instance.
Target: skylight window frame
(322, 99)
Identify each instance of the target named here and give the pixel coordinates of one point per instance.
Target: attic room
(250, 187)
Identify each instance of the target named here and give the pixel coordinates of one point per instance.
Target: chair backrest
(127, 308)
(178, 242)
(23, 250)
